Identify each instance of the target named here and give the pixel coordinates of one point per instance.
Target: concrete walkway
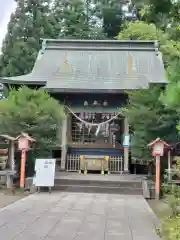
(78, 216)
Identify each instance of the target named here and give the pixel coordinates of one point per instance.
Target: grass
(170, 222)
(160, 208)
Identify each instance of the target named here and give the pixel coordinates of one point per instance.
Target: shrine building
(91, 78)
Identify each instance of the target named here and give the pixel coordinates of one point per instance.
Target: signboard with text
(45, 172)
(126, 141)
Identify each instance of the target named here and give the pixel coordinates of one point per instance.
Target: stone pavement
(78, 216)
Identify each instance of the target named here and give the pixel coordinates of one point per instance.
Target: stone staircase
(98, 186)
(96, 183)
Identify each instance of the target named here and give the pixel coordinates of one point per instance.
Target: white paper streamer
(89, 125)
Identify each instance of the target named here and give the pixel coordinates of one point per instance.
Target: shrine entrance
(96, 141)
(102, 130)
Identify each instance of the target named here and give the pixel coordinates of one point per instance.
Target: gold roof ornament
(66, 67)
(131, 66)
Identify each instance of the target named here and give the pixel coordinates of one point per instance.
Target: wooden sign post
(158, 146)
(23, 144)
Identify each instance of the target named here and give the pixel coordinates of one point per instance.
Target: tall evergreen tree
(150, 119)
(30, 22)
(111, 15)
(71, 19)
(74, 19)
(149, 116)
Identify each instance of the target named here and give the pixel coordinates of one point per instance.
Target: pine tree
(30, 22)
(111, 15)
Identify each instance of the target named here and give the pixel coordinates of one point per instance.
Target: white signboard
(45, 172)
(126, 141)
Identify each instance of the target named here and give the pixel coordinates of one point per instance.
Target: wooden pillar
(64, 143)
(69, 127)
(11, 155)
(126, 148)
(157, 177)
(23, 165)
(169, 165)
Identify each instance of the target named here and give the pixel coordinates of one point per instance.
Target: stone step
(110, 184)
(98, 189)
(100, 183)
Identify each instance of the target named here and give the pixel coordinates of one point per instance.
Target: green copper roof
(99, 65)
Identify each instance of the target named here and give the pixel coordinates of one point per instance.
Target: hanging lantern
(85, 103)
(95, 103)
(105, 103)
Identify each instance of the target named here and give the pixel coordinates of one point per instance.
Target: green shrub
(170, 189)
(171, 228)
(166, 189)
(174, 204)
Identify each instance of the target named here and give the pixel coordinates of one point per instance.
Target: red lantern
(23, 143)
(158, 146)
(158, 149)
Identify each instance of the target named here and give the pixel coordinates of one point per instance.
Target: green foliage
(156, 12)
(171, 97)
(165, 14)
(150, 119)
(30, 22)
(166, 189)
(178, 167)
(89, 19)
(149, 116)
(97, 19)
(174, 203)
(140, 30)
(33, 112)
(171, 190)
(73, 20)
(171, 228)
(33, 20)
(110, 14)
(170, 225)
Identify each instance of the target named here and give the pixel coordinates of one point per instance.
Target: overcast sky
(6, 8)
